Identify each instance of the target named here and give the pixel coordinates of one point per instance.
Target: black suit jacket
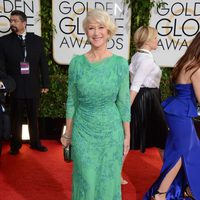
(11, 54)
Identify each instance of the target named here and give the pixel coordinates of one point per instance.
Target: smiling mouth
(96, 39)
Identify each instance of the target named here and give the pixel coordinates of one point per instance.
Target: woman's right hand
(65, 140)
(126, 147)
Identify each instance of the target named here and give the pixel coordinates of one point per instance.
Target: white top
(144, 71)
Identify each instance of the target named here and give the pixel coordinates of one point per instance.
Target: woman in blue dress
(180, 177)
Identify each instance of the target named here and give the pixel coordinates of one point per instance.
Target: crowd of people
(111, 107)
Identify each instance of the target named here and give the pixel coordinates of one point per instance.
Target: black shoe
(39, 148)
(14, 151)
(15, 147)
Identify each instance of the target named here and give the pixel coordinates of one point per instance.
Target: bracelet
(66, 137)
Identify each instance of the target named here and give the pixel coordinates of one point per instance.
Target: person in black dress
(148, 126)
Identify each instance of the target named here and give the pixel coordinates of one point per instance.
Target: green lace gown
(98, 102)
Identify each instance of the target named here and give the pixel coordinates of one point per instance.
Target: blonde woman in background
(148, 127)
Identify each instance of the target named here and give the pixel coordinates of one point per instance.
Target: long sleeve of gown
(123, 98)
(72, 93)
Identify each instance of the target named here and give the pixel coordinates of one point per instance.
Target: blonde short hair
(102, 17)
(143, 35)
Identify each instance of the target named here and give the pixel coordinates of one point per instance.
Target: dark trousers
(19, 109)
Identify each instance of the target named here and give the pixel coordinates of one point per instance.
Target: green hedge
(52, 104)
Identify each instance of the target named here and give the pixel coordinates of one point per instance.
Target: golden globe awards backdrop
(177, 23)
(69, 38)
(30, 7)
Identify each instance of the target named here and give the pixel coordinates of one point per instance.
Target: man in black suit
(7, 84)
(24, 59)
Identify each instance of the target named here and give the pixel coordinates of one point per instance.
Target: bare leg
(167, 181)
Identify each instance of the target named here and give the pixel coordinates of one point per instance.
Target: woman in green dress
(98, 113)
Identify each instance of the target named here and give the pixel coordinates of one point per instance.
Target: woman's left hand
(65, 140)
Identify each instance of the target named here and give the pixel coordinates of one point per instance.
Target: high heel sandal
(158, 193)
(188, 193)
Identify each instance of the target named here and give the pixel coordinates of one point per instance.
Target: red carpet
(34, 175)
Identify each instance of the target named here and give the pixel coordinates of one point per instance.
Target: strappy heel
(158, 193)
(188, 193)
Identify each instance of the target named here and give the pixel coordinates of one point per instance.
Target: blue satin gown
(182, 142)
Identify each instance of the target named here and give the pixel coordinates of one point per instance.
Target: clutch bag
(67, 152)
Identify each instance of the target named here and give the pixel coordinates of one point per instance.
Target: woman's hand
(126, 145)
(126, 126)
(65, 140)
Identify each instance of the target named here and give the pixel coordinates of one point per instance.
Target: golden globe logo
(177, 22)
(4, 20)
(180, 22)
(30, 7)
(70, 25)
(69, 35)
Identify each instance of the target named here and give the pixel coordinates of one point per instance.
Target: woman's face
(97, 34)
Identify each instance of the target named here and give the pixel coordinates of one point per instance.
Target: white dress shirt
(144, 71)
(23, 35)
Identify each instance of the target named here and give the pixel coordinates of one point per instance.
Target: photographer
(7, 84)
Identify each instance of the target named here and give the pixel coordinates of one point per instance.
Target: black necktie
(23, 45)
(22, 40)
(20, 37)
